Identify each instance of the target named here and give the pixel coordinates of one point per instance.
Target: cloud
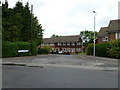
(67, 17)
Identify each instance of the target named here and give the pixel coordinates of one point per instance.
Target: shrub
(24, 46)
(34, 48)
(114, 49)
(89, 50)
(44, 50)
(100, 49)
(9, 49)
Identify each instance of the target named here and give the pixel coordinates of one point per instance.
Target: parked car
(61, 52)
(66, 52)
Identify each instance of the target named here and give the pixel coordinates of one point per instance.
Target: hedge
(34, 48)
(44, 50)
(100, 49)
(24, 46)
(114, 49)
(89, 50)
(10, 49)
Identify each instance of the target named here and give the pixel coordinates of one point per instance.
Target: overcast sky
(69, 17)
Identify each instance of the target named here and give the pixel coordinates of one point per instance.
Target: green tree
(19, 24)
(88, 36)
(54, 36)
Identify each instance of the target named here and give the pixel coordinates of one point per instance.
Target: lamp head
(94, 12)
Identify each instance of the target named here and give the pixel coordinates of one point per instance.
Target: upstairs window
(68, 44)
(64, 44)
(73, 44)
(105, 39)
(59, 44)
(118, 35)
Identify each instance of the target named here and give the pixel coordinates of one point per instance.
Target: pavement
(69, 61)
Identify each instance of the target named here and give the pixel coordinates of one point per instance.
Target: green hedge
(89, 50)
(10, 49)
(114, 49)
(100, 49)
(34, 48)
(24, 46)
(44, 50)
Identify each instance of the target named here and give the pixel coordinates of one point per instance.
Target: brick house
(112, 32)
(72, 44)
(103, 35)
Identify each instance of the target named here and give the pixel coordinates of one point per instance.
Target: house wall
(72, 49)
(112, 36)
(100, 40)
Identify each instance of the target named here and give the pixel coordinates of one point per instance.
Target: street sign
(23, 51)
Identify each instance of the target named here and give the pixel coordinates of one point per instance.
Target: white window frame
(64, 44)
(68, 44)
(59, 44)
(73, 44)
(118, 35)
(51, 44)
(105, 38)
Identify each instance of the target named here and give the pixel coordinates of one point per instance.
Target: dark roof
(103, 32)
(73, 38)
(114, 25)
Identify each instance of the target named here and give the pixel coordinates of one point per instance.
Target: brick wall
(100, 40)
(112, 36)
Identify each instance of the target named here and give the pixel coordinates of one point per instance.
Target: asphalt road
(59, 71)
(59, 77)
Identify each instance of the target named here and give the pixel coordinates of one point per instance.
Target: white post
(94, 34)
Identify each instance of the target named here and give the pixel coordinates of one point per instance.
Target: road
(60, 71)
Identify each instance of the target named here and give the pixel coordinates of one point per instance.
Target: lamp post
(94, 33)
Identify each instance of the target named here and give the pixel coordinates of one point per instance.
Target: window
(78, 43)
(73, 44)
(118, 35)
(105, 39)
(51, 44)
(42, 44)
(68, 44)
(64, 44)
(59, 44)
(73, 49)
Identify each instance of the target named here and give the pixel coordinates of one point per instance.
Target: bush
(34, 48)
(100, 49)
(89, 50)
(114, 49)
(44, 50)
(9, 49)
(24, 46)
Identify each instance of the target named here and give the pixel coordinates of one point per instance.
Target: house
(112, 32)
(103, 35)
(72, 44)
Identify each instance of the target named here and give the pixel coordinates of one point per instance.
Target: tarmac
(41, 61)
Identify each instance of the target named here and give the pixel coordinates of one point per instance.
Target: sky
(70, 17)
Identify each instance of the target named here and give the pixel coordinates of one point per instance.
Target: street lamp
(94, 33)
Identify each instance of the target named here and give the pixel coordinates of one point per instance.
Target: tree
(19, 24)
(54, 36)
(88, 36)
